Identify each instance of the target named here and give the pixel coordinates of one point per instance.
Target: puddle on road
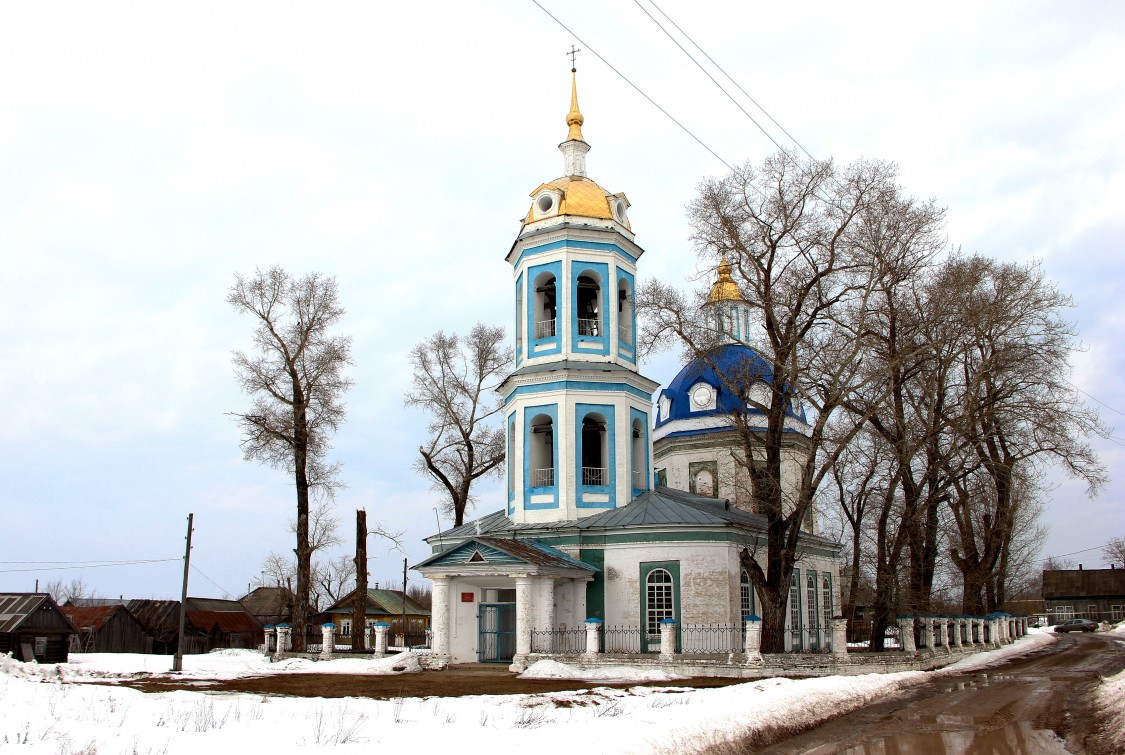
(1017, 738)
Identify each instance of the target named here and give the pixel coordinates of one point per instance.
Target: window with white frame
(810, 601)
(826, 599)
(795, 607)
(1118, 612)
(746, 594)
(659, 599)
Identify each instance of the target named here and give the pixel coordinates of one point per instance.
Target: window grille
(659, 604)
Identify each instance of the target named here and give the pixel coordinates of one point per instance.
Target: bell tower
(577, 412)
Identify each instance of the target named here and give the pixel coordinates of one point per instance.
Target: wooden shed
(33, 627)
(106, 629)
(227, 623)
(270, 605)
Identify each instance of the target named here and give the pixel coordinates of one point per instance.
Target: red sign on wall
(467, 597)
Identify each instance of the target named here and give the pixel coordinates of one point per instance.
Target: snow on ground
(42, 713)
(1035, 639)
(1110, 698)
(555, 670)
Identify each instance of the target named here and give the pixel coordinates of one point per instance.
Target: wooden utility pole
(178, 660)
(359, 603)
(404, 641)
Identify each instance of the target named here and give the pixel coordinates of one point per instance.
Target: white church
(618, 509)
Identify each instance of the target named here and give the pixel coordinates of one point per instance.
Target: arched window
(545, 310)
(810, 609)
(826, 599)
(746, 594)
(541, 459)
(638, 457)
(588, 304)
(624, 313)
(595, 451)
(659, 599)
(795, 610)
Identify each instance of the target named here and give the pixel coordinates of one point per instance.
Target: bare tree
(792, 233)
(454, 382)
(296, 378)
(1114, 551)
(63, 592)
(1014, 409)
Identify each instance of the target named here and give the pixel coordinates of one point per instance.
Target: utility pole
(178, 659)
(359, 602)
(404, 645)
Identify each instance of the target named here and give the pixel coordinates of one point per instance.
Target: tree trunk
(359, 604)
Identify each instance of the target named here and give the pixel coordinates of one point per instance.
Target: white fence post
(328, 640)
(593, 647)
(667, 639)
(753, 640)
(839, 637)
(381, 628)
(906, 634)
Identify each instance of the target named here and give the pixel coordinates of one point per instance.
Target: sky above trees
(148, 154)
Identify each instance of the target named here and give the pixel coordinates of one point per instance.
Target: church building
(617, 509)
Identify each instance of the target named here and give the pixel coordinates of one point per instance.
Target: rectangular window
(40, 646)
(1062, 613)
(1118, 612)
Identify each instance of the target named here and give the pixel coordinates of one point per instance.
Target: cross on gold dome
(574, 117)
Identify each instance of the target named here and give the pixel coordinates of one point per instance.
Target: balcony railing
(587, 327)
(595, 476)
(543, 478)
(545, 329)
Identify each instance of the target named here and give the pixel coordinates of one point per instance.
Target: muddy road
(1040, 703)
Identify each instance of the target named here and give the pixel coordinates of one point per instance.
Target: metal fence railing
(545, 329)
(558, 641)
(543, 478)
(595, 476)
(588, 327)
(625, 640)
(711, 638)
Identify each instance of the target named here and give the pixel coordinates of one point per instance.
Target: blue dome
(742, 368)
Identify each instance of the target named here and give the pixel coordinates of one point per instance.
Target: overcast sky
(148, 151)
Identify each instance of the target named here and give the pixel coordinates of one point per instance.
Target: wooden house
(106, 629)
(386, 606)
(226, 623)
(270, 605)
(33, 627)
(1095, 594)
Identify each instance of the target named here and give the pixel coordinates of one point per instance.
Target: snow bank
(1110, 698)
(1026, 644)
(547, 669)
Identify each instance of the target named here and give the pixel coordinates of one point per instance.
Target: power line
(1097, 400)
(196, 569)
(96, 565)
(707, 73)
(587, 46)
(732, 79)
(1074, 553)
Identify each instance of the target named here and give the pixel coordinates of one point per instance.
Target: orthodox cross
(573, 51)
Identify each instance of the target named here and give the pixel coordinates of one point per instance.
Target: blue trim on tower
(542, 347)
(610, 490)
(598, 344)
(599, 246)
(576, 385)
(529, 413)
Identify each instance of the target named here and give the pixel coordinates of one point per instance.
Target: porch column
(524, 586)
(440, 618)
(327, 640)
(839, 637)
(593, 647)
(906, 634)
(753, 641)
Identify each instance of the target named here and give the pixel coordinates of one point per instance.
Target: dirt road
(1040, 703)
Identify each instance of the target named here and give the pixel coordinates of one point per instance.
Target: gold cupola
(574, 194)
(725, 289)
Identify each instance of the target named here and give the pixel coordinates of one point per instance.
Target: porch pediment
(494, 554)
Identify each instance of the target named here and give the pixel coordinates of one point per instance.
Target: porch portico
(490, 594)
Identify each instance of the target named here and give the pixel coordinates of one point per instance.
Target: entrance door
(497, 628)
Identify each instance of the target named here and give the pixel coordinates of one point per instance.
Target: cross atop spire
(573, 51)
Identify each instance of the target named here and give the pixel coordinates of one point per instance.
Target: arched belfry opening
(541, 451)
(624, 313)
(545, 310)
(638, 456)
(595, 451)
(589, 304)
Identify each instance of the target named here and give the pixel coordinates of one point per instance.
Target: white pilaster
(440, 621)
(524, 607)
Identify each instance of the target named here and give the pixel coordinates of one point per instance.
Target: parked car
(1076, 625)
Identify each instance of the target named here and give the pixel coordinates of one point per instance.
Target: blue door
(496, 623)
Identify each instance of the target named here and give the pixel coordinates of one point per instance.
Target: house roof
(1083, 583)
(225, 621)
(91, 618)
(494, 551)
(381, 602)
(274, 602)
(17, 607)
(92, 602)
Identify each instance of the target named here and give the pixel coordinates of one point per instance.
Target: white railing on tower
(588, 327)
(545, 329)
(595, 476)
(543, 478)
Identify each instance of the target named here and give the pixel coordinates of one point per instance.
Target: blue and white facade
(577, 412)
(585, 533)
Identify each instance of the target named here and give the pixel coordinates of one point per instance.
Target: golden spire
(725, 289)
(574, 117)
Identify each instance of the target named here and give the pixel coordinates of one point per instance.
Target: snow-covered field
(47, 709)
